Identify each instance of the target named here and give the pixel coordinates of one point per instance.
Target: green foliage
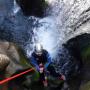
(35, 76)
(45, 4)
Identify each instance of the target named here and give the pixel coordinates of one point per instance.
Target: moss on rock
(86, 53)
(85, 86)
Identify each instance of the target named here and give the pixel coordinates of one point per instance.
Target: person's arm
(34, 62)
(48, 61)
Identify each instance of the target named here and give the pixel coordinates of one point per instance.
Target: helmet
(38, 49)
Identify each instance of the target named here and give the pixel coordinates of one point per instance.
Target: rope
(15, 76)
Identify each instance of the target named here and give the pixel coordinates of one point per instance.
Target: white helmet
(38, 49)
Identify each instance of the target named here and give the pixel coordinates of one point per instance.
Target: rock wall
(9, 55)
(80, 48)
(32, 7)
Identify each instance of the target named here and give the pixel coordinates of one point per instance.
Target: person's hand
(62, 77)
(41, 70)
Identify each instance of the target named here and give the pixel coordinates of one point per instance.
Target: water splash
(48, 35)
(66, 20)
(16, 8)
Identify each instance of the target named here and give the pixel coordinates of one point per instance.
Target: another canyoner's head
(38, 49)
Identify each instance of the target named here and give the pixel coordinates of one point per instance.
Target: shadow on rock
(32, 7)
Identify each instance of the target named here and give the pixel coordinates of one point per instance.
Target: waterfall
(16, 8)
(66, 19)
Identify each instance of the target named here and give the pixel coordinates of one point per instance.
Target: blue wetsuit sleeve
(34, 62)
(48, 61)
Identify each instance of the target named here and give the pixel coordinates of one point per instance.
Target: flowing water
(65, 19)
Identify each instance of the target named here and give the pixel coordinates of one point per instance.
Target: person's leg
(52, 71)
(43, 79)
(65, 86)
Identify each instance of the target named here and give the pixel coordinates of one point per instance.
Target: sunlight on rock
(4, 61)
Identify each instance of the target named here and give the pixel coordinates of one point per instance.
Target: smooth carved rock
(9, 57)
(4, 61)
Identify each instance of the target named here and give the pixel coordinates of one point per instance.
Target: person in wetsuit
(41, 60)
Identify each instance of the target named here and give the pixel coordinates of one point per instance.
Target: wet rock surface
(71, 18)
(32, 7)
(10, 54)
(13, 62)
(80, 48)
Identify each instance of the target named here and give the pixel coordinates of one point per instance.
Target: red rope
(15, 76)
